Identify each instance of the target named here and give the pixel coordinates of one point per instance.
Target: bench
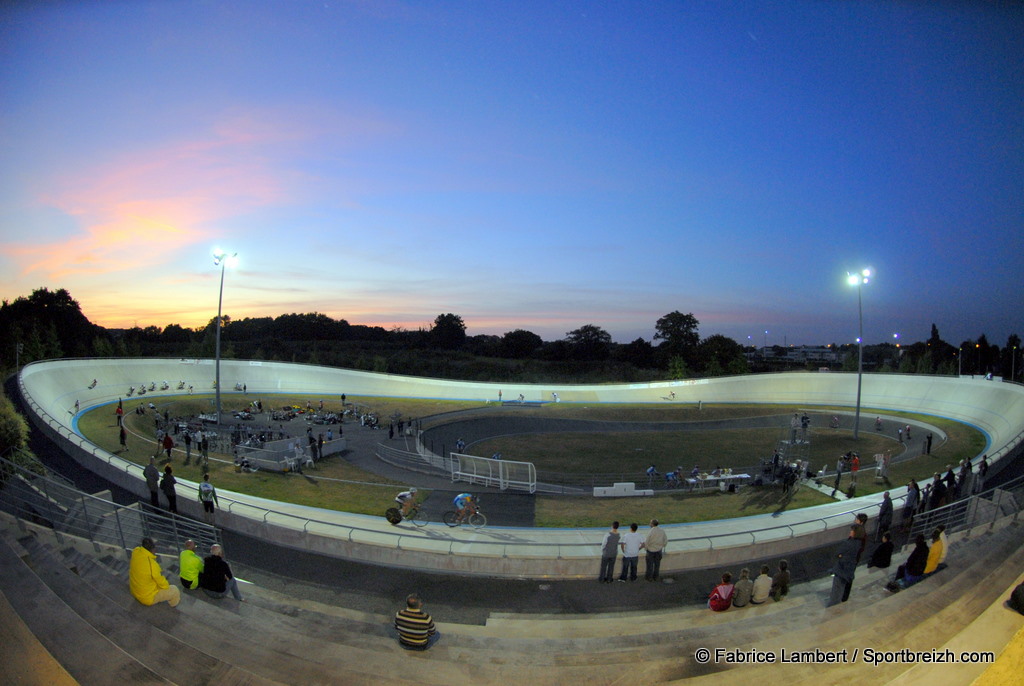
(620, 490)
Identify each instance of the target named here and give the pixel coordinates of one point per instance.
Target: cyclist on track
(465, 504)
(405, 500)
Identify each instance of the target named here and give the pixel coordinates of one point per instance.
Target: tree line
(49, 324)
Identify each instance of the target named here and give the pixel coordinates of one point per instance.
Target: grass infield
(348, 488)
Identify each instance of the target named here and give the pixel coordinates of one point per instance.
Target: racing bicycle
(395, 517)
(477, 519)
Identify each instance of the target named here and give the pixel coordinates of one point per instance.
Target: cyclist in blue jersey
(465, 505)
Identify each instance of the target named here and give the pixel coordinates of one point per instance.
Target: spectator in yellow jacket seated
(189, 566)
(934, 554)
(146, 581)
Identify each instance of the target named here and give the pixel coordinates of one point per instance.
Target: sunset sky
(534, 165)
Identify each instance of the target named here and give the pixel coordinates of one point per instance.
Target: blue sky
(535, 165)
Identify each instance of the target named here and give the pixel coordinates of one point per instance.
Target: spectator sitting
(912, 571)
(189, 566)
(934, 554)
(780, 583)
(216, 578)
(415, 627)
(744, 588)
(882, 555)
(146, 581)
(720, 599)
(762, 586)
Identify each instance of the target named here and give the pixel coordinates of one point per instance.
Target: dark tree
(589, 342)
(448, 332)
(679, 336)
(722, 355)
(639, 353)
(520, 344)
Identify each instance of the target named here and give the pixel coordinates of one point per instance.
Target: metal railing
(975, 510)
(42, 499)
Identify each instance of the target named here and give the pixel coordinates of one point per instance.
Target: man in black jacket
(216, 578)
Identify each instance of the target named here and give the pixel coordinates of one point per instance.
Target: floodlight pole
(858, 280)
(219, 258)
(860, 359)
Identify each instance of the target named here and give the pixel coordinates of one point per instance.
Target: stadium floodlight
(220, 259)
(859, 279)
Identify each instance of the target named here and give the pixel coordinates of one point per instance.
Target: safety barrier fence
(29, 492)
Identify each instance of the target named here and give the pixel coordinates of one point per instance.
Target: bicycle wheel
(477, 520)
(393, 515)
(451, 518)
(416, 517)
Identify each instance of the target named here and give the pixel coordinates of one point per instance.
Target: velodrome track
(51, 388)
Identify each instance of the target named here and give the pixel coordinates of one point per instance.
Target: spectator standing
(844, 568)
(654, 546)
(168, 444)
(979, 481)
(631, 544)
(188, 446)
(152, 481)
(189, 566)
(145, 579)
(216, 578)
(609, 551)
(912, 502)
(861, 528)
(884, 515)
(208, 496)
(167, 486)
(122, 437)
(415, 627)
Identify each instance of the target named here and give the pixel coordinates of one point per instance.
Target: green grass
(598, 452)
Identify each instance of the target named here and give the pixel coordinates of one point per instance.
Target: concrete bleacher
(74, 599)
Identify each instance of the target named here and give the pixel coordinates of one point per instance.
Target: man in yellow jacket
(190, 565)
(146, 581)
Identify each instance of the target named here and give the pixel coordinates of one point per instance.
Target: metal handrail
(55, 501)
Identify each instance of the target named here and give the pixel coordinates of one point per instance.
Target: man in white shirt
(631, 544)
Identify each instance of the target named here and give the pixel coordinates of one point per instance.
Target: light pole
(858, 280)
(220, 258)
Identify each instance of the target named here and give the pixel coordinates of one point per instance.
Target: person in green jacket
(189, 566)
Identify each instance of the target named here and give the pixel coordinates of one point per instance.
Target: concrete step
(87, 655)
(131, 626)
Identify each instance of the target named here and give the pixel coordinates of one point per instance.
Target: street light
(221, 259)
(858, 280)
